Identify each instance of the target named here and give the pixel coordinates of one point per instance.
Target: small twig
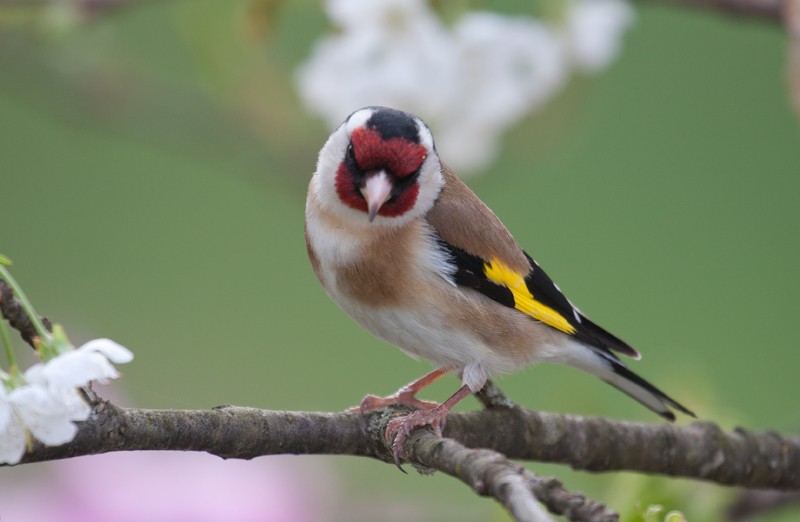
(489, 473)
(86, 5)
(770, 10)
(792, 22)
(15, 314)
(754, 501)
(764, 9)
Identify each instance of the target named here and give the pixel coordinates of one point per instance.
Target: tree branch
(700, 450)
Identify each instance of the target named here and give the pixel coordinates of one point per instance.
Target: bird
(409, 252)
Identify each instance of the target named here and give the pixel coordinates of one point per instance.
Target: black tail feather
(621, 370)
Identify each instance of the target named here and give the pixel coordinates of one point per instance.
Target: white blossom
(77, 368)
(48, 404)
(469, 82)
(48, 412)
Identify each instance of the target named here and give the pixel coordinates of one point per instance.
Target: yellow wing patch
(500, 274)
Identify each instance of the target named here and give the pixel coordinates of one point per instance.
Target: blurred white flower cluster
(469, 82)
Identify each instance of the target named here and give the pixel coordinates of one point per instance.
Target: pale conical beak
(376, 192)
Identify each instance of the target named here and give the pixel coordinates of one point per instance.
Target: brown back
(464, 221)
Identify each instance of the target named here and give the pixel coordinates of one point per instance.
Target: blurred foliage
(154, 164)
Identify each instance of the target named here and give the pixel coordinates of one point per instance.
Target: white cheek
(324, 181)
(430, 184)
(425, 136)
(331, 155)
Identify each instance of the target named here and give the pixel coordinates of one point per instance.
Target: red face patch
(398, 155)
(347, 191)
(351, 196)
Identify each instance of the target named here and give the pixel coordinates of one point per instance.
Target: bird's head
(380, 166)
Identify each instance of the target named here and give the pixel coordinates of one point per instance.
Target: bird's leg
(405, 395)
(402, 426)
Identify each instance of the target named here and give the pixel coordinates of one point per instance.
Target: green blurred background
(153, 168)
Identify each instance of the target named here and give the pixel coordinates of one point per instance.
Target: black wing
(539, 297)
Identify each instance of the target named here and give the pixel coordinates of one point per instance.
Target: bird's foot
(400, 428)
(403, 396)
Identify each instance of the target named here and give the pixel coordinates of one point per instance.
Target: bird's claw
(400, 429)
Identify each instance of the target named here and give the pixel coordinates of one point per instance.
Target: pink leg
(402, 426)
(405, 395)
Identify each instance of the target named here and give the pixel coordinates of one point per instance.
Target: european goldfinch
(412, 254)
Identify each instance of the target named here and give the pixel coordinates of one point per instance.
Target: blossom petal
(12, 441)
(34, 375)
(52, 431)
(75, 407)
(6, 412)
(114, 351)
(76, 369)
(44, 413)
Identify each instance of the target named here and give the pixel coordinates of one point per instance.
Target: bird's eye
(351, 154)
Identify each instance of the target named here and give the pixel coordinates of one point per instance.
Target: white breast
(424, 332)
